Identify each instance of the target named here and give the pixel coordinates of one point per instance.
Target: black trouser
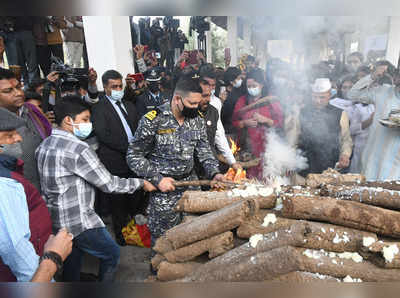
(124, 206)
(57, 50)
(21, 50)
(44, 53)
(43, 57)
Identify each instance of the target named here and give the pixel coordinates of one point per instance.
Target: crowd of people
(73, 158)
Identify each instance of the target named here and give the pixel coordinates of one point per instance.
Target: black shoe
(88, 277)
(120, 240)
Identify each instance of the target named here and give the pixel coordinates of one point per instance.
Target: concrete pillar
(232, 38)
(247, 38)
(209, 43)
(109, 44)
(393, 45)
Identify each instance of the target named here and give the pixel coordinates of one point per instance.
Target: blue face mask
(82, 130)
(117, 95)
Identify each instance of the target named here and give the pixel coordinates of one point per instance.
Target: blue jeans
(96, 242)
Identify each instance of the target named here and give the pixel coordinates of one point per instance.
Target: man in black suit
(115, 121)
(152, 97)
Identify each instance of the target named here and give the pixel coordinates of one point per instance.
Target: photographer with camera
(64, 80)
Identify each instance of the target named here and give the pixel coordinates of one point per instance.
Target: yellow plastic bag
(138, 235)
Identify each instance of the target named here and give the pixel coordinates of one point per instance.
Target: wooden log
(156, 261)
(207, 201)
(188, 218)
(392, 185)
(169, 271)
(216, 246)
(254, 226)
(316, 261)
(206, 226)
(344, 213)
(384, 254)
(332, 177)
(258, 267)
(283, 260)
(203, 183)
(303, 277)
(368, 195)
(293, 235)
(306, 190)
(317, 235)
(300, 234)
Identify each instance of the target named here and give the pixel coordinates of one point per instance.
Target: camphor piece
(345, 213)
(206, 226)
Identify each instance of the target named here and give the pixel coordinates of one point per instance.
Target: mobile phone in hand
(137, 77)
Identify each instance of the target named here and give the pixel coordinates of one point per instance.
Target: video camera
(70, 79)
(199, 24)
(171, 23)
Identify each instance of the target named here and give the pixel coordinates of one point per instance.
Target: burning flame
(235, 176)
(234, 147)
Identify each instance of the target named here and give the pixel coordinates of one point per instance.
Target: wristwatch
(55, 257)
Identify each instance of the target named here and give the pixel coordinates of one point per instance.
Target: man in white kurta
(381, 157)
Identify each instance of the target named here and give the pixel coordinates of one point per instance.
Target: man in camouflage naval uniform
(163, 151)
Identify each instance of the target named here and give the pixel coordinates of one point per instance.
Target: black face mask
(154, 88)
(189, 112)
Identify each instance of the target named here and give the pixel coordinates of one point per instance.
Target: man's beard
(204, 108)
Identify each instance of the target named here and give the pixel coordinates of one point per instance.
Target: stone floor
(134, 263)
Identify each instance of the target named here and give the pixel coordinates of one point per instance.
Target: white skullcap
(321, 85)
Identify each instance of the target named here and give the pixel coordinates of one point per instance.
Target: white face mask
(256, 91)
(82, 130)
(237, 83)
(212, 92)
(117, 95)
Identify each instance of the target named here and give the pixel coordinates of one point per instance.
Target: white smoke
(280, 157)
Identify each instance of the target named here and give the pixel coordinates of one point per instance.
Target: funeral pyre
(336, 227)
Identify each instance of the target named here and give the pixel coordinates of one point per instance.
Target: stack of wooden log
(337, 228)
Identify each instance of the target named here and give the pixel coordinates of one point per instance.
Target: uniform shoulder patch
(151, 115)
(201, 114)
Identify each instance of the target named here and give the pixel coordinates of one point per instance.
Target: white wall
(232, 38)
(393, 45)
(109, 45)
